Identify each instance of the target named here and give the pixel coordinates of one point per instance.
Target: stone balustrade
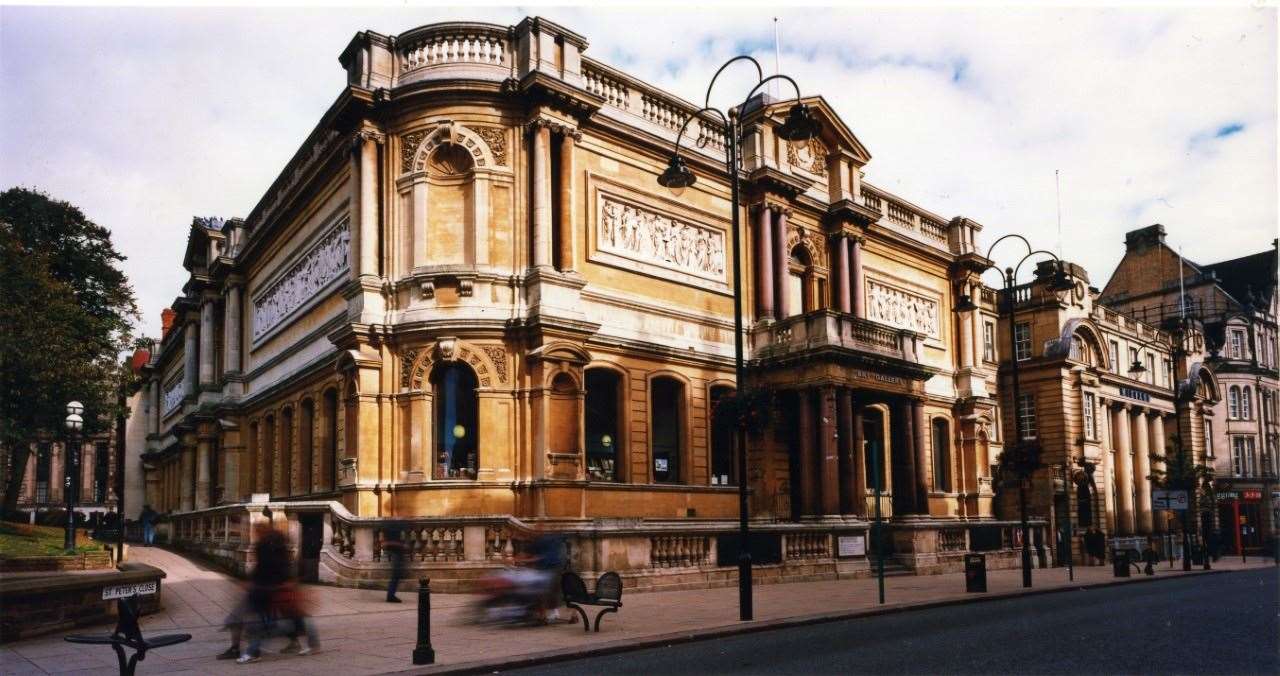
(447, 44)
(828, 328)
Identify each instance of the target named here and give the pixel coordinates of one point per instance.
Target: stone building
(1101, 424)
(465, 302)
(1236, 302)
(44, 479)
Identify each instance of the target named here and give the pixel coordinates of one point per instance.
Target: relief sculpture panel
(324, 263)
(643, 239)
(902, 309)
(173, 395)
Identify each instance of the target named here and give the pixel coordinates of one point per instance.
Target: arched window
(799, 270)
(563, 432)
(1246, 403)
(457, 416)
(449, 220)
(602, 425)
(306, 444)
(941, 455)
(667, 415)
(285, 480)
(329, 459)
(721, 442)
(1233, 402)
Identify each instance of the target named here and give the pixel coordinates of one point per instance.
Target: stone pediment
(835, 134)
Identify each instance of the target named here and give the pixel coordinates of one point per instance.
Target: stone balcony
(827, 332)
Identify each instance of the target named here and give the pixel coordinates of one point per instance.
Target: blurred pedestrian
(148, 519)
(393, 546)
(549, 559)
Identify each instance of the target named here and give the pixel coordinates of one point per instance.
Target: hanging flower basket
(751, 410)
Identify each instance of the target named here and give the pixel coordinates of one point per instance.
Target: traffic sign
(1175, 500)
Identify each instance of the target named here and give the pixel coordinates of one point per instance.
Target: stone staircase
(892, 567)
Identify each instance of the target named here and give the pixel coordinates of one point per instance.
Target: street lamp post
(798, 127)
(1023, 458)
(74, 424)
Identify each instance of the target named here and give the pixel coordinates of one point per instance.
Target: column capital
(366, 133)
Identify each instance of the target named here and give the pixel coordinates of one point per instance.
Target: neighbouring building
(465, 303)
(1101, 423)
(1235, 301)
(43, 487)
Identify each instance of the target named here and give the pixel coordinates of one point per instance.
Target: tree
(67, 315)
(1179, 471)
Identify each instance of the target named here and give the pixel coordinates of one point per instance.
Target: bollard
(423, 653)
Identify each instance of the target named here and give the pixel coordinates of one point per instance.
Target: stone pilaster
(566, 227)
(828, 451)
(1120, 441)
(207, 361)
(855, 265)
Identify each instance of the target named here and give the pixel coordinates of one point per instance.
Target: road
(1214, 624)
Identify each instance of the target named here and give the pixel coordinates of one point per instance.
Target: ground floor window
(667, 398)
(601, 424)
(722, 434)
(457, 416)
(44, 468)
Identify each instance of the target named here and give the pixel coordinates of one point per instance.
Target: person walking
(269, 575)
(393, 546)
(148, 519)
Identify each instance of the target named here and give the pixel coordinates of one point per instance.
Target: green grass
(20, 539)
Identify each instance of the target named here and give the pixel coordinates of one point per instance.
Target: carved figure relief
(902, 309)
(643, 235)
(326, 262)
(812, 158)
(173, 395)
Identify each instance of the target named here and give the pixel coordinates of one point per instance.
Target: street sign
(121, 591)
(1175, 500)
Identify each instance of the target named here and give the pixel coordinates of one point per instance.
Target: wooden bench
(608, 595)
(128, 635)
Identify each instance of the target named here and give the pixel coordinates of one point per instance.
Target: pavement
(362, 634)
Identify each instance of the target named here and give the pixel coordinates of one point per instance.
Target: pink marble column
(842, 281)
(855, 263)
(764, 263)
(780, 260)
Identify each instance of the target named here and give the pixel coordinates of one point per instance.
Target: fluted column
(828, 458)
(231, 324)
(190, 355)
(842, 284)
(541, 159)
(1142, 470)
(808, 480)
(855, 265)
(1120, 441)
(781, 260)
(764, 263)
(1158, 451)
(206, 341)
(566, 211)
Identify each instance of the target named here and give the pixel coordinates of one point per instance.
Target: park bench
(127, 634)
(608, 595)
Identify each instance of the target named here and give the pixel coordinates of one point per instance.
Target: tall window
(1027, 416)
(1133, 359)
(1090, 421)
(721, 438)
(306, 444)
(601, 424)
(872, 422)
(988, 341)
(457, 416)
(286, 452)
(101, 470)
(1166, 373)
(44, 468)
(267, 479)
(941, 455)
(1233, 402)
(1237, 344)
(1151, 368)
(798, 270)
(1208, 438)
(665, 411)
(329, 409)
(1116, 366)
(1244, 461)
(1246, 403)
(1022, 341)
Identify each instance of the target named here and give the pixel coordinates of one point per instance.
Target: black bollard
(423, 653)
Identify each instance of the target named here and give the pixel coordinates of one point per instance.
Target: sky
(145, 117)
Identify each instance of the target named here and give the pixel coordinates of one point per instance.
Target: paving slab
(361, 634)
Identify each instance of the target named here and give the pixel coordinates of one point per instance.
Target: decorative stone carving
(902, 309)
(428, 290)
(812, 158)
(447, 347)
(496, 139)
(466, 287)
(173, 395)
(816, 245)
(646, 236)
(407, 358)
(498, 355)
(408, 146)
(323, 264)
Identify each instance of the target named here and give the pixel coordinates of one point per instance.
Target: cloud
(145, 117)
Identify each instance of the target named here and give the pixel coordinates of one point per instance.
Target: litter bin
(1120, 563)
(975, 572)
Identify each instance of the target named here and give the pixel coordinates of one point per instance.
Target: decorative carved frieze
(646, 236)
(812, 158)
(496, 139)
(326, 262)
(173, 395)
(497, 355)
(902, 309)
(407, 358)
(815, 244)
(408, 146)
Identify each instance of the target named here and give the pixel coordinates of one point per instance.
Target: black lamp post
(798, 128)
(1024, 457)
(74, 424)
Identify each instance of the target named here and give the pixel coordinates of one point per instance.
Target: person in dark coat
(268, 577)
(394, 547)
(148, 519)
